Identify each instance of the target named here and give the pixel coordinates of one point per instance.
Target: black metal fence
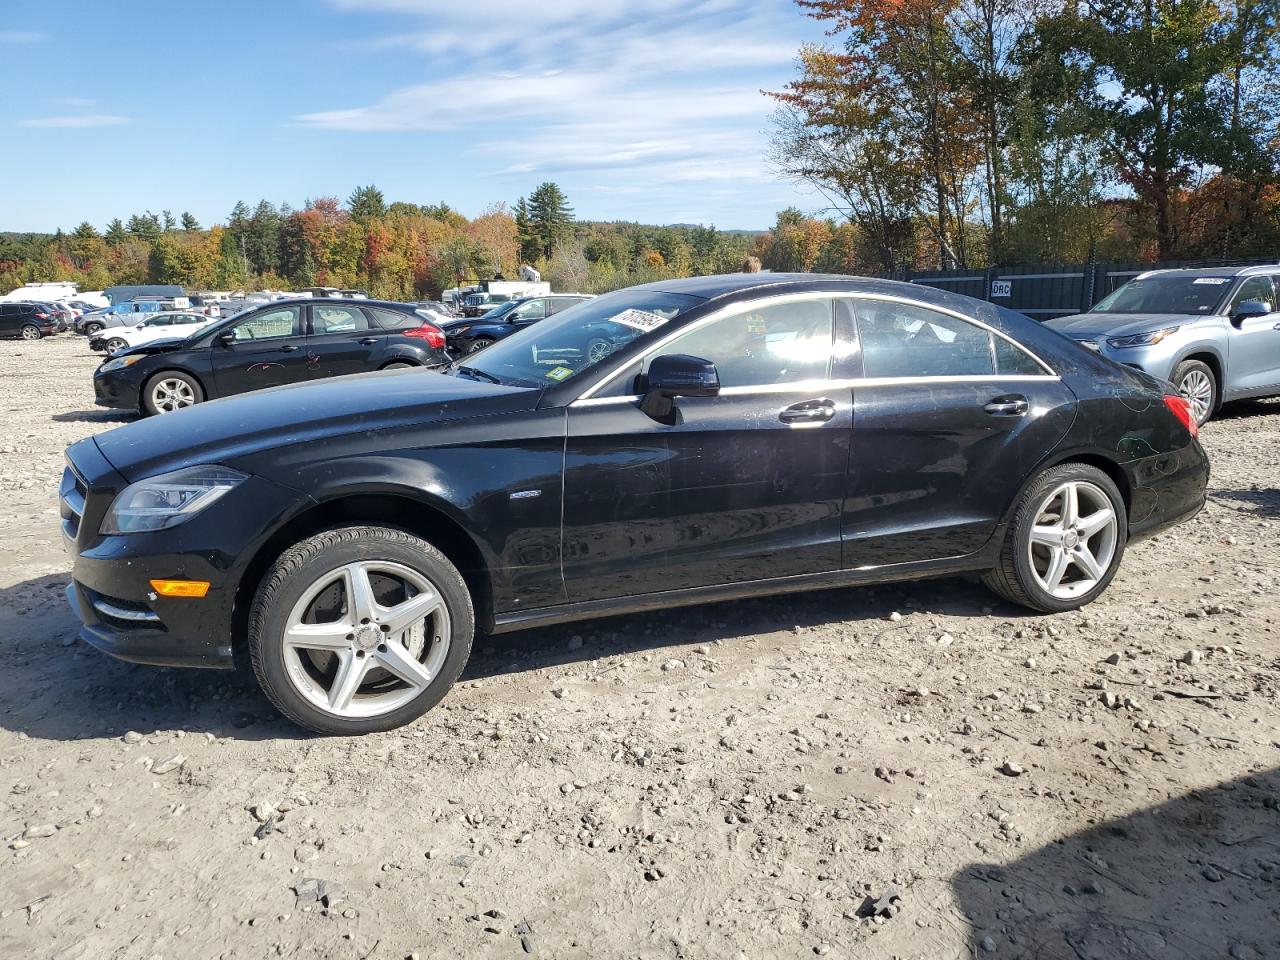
(1046, 290)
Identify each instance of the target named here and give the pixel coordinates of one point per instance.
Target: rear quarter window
(395, 320)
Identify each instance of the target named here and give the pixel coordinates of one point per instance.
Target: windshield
(499, 311)
(576, 339)
(1198, 295)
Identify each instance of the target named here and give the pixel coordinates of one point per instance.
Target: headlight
(169, 499)
(119, 363)
(1141, 339)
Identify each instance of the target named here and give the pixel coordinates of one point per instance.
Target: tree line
(961, 133)
(397, 250)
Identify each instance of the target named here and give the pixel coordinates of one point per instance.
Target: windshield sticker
(559, 373)
(640, 320)
(1212, 281)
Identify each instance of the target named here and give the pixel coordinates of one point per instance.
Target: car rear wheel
(116, 343)
(479, 343)
(170, 390)
(1065, 542)
(1197, 384)
(360, 629)
(30, 331)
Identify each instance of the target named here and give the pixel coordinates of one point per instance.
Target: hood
(1118, 324)
(222, 431)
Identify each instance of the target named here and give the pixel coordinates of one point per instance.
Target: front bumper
(1156, 359)
(117, 389)
(111, 589)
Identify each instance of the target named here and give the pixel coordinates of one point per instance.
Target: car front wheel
(115, 343)
(170, 390)
(91, 328)
(1065, 542)
(360, 629)
(1197, 384)
(479, 343)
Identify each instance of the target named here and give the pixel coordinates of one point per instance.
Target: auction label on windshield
(1213, 281)
(559, 373)
(639, 320)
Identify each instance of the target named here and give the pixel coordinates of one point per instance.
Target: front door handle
(809, 411)
(1275, 326)
(289, 348)
(368, 341)
(1010, 406)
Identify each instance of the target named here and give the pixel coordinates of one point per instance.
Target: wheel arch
(175, 368)
(1210, 358)
(424, 518)
(1090, 456)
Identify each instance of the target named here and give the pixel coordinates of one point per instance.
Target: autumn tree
(367, 203)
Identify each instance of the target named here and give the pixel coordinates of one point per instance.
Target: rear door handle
(368, 341)
(1011, 406)
(809, 411)
(1275, 326)
(289, 347)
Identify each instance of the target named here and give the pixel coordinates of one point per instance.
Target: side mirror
(227, 338)
(677, 375)
(1250, 309)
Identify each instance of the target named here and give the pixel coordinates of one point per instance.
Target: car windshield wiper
(479, 374)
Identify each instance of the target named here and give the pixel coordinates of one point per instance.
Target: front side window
(1255, 288)
(905, 340)
(778, 343)
(533, 310)
(268, 325)
(328, 318)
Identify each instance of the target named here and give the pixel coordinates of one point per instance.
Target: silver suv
(1213, 333)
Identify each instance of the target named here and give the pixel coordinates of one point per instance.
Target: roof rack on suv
(1259, 268)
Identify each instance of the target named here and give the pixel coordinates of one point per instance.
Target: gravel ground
(907, 771)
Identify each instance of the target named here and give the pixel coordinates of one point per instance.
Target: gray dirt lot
(721, 781)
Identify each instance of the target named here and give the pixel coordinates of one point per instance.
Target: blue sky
(643, 110)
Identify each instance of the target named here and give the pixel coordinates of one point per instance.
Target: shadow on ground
(58, 688)
(100, 415)
(1261, 502)
(1195, 878)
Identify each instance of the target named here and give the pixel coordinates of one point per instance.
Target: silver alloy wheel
(30, 332)
(479, 344)
(1197, 388)
(1073, 540)
(373, 659)
(116, 344)
(170, 393)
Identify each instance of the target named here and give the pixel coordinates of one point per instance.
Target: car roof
(1267, 269)
(737, 285)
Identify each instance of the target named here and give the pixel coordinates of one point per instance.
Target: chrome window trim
(743, 305)
(819, 386)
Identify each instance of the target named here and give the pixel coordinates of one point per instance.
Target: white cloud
(22, 36)
(75, 121)
(77, 103)
(631, 95)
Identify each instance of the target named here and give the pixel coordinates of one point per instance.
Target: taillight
(1180, 407)
(42, 316)
(428, 332)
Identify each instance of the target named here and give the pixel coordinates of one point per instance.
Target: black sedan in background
(286, 341)
(468, 336)
(745, 435)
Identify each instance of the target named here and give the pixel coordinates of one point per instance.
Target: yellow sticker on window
(559, 373)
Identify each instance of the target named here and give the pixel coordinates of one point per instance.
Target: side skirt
(716, 593)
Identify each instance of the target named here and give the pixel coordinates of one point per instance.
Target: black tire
(479, 343)
(30, 332)
(399, 365)
(91, 328)
(1194, 373)
(116, 343)
(299, 568)
(150, 402)
(1014, 578)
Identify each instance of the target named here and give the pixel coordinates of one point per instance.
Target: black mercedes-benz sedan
(285, 341)
(741, 435)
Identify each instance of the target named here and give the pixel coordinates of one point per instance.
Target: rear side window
(395, 320)
(905, 340)
(1012, 360)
